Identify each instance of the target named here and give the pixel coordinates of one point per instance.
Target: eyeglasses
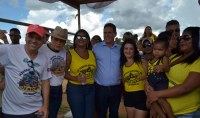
(185, 37)
(82, 37)
(147, 45)
(176, 30)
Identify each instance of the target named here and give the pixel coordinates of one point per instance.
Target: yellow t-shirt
(129, 76)
(151, 66)
(153, 38)
(81, 66)
(191, 101)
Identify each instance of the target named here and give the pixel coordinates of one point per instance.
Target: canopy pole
(79, 18)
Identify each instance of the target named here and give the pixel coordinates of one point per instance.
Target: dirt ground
(65, 107)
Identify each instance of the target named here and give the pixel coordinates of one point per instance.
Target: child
(160, 64)
(134, 78)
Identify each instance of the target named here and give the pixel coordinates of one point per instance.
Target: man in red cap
(26, 76)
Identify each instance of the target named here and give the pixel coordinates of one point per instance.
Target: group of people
(166, 75)
(34, 72)
(162, 81)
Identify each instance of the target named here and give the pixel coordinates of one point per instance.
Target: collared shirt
(108, 64)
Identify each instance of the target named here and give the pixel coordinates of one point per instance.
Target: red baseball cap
(37, 29)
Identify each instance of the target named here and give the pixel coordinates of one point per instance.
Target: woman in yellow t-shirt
(134, 77)
(80, 69)
(184, 77)
(149, 34)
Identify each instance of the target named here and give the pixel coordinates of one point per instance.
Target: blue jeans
(195, 114)
(55, 100)
(108, 97)
(81, 100)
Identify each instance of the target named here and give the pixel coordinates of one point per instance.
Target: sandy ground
(65, 107)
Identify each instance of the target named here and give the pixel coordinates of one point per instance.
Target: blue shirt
(108, 64)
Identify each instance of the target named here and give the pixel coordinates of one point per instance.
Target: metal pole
(24, 24)
(79, 18)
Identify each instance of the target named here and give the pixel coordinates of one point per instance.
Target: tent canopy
(76, 3)
(73, 3)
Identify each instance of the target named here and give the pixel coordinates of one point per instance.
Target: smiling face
(34, 41)
(128, 51)
(186, 43)
(81, 40)
(147, 47)
(57, 44)
(109, 35)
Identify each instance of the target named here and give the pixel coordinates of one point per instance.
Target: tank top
(129, 76)
(81, 66)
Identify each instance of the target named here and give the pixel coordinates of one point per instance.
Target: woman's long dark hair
(195, 32)
(136, 55)
(89, 46)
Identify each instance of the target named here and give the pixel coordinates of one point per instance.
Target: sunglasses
(81, 37)
(176, 30)
(185, 37)
(147, 45)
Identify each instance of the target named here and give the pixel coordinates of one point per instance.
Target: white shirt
(56, 64)
(22, 93)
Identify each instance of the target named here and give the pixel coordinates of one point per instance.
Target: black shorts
(136, 99)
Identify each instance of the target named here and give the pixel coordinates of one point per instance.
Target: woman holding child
(184, 77)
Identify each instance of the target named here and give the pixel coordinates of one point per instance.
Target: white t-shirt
(22, 93)
(56, 64)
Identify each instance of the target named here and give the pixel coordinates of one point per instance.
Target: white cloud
(127, 15)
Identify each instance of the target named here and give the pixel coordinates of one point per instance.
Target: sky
(127, 15)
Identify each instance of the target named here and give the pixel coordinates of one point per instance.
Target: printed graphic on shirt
(130, 77)
(150, 68)
(87, 70)
(57, 65)
(29, 83)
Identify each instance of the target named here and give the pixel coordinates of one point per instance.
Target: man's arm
(3, 37)
(45, 91)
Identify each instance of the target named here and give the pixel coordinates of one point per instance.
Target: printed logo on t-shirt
(57, 65)
(130, 77)
(87, 70)
(29, 83)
